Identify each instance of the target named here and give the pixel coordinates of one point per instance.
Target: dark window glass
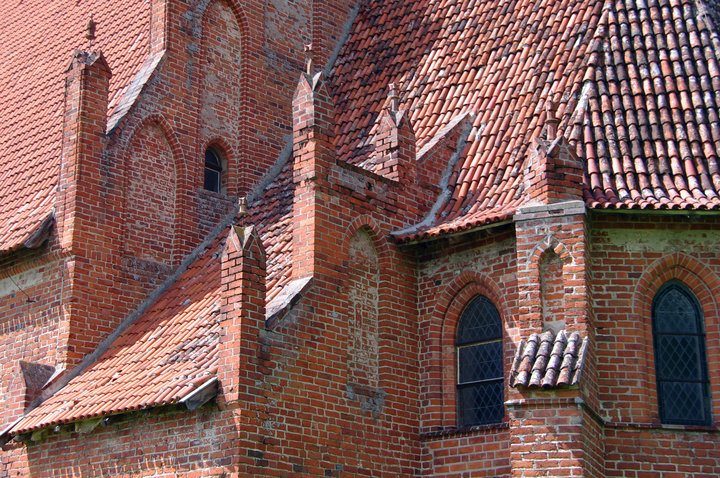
(683, 386)
(480, 385)
(213, 171)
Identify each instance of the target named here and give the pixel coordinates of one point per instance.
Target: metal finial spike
(551, 119)
(392, 94)
(550, 108)
(90, 28)
(308, 58)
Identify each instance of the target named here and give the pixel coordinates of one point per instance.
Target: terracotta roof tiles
(271, 213)
(548, 361)
(636, 84)
(169, 351)
(36, 49)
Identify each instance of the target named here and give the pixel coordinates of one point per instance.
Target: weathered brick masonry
(384, 164)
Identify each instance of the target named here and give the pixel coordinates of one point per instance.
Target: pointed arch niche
(553, 278)
(150, 195)
(552, 290)
(363, 309)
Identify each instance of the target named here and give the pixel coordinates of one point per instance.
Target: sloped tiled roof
(651, 131)
(271, 214)
(636, 85)
(37, 39)
(547, 360)
(501, 60)
(171, 349)
(168, 352)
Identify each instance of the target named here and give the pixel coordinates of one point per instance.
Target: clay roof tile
(547, 360)
(646, 74)
(31, 80)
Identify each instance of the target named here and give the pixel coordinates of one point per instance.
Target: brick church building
(360, 238)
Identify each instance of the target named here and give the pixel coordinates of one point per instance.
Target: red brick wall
(150, 197)
(554, 434)
(633, 256)
(546, 439)
(159, 443)
(450, 274)
(226, 78)
(30, 302)
(483, 452)
(649, 452)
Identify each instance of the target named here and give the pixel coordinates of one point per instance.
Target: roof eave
(452, 234)
(654, 211)
(35, 239)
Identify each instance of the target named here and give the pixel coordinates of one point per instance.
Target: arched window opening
(683, 387)
(480, 386)
(213, 170)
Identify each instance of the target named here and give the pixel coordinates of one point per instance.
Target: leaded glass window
(683, 386)
(213, 171)
(480, 385)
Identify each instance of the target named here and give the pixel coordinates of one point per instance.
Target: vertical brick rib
(243, 274)
(87, 211)
(313, 157)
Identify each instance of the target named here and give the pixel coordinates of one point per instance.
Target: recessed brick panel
(150, 202)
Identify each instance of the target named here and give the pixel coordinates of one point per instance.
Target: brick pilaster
(395, 144)
(243, 314)
(570, 431)
(314, 155)
(555, 437)
(86, 96)
(242, 277)
(88, 211)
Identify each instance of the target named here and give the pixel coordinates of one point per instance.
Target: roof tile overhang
(167, 355)
(549, 360)
(30, 233)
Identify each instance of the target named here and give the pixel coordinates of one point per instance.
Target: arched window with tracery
(681, 369)
(480, 385)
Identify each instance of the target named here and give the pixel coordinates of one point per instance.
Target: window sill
(464, 431)
(665, 427)
(213, 194)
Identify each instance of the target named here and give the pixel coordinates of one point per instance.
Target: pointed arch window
(213, 170)
(480, 385)
(681, 369)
